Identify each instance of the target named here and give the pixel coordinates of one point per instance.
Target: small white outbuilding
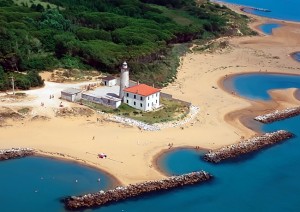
(71, 94)
(109, 81)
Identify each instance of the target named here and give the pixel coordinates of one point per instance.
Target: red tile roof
(142, 89)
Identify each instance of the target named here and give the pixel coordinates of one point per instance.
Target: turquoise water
(268, 28)
(280, 9)
(264, 181)
(296, 56)
(256, 86)
(37, 184)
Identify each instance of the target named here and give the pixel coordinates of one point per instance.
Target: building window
(134, 96)
(141, 105)
(127, 94)
(155, 101)
(141, 98)
(134, 103)
(148, 104)
(127, 101)
(156, 94)
(148, 97)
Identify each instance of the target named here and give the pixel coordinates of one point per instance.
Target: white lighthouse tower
(124, 79)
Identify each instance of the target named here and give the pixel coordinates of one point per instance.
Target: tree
(54, 19)
(4, 82)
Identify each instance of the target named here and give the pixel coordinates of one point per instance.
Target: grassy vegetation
(212, 46)
(171, 110)
(73, 75)
(29, 3)
(20, 94)
(181, 17)
(24, 110)
(161, 72)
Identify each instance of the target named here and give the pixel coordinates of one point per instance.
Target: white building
(109, 81)
(106, 100)
(71, 94)
(142, 97)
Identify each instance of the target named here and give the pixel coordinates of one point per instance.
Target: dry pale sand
(131, 151)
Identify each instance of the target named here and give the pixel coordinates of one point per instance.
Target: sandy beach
(132, 152)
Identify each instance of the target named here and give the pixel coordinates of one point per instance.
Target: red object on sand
(102, 155)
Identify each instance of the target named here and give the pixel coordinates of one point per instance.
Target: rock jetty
(120, 193)
(255, 8)
(6, 154)
(247, 146)
(278, 115)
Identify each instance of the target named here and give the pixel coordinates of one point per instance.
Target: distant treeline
(101, 34)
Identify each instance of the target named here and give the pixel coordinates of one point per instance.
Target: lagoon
(296, 56)
(256, 86)
(268, 28)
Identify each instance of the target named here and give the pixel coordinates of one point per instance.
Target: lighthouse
(124, 79)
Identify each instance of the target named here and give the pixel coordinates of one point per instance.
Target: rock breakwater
(278, 115)
(244, 8)
(247, 146)
(120, 193)
(6, 154)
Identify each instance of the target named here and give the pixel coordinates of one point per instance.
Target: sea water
(36, 184)
(268, 28)
(267, 180)
(264, 181)
(296, 56)
(280, 9)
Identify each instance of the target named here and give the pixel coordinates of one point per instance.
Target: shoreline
(159, 155)
(237, 8)
(218, 123)
(114, 181)
(246, 119)
(257, 107)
